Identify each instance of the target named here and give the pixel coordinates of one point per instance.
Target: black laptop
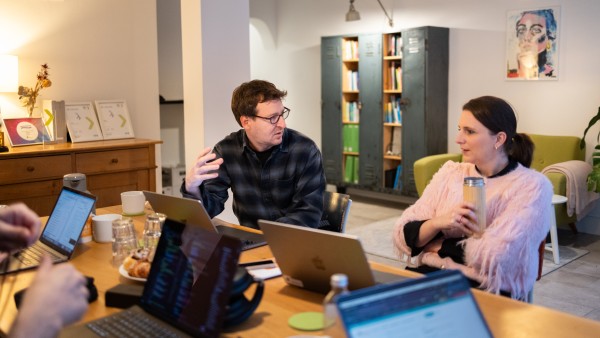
(438, 305)
(60, 235)
(186, 293)
(191, 211)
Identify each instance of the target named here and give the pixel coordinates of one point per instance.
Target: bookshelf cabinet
(384, 105)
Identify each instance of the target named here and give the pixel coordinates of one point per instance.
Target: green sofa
(548, 150)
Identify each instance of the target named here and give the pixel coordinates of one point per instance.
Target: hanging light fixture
(390, 21)
(352, 14)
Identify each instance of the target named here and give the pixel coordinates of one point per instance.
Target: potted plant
(593, 179)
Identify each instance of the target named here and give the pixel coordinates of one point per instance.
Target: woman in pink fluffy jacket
(436, 231)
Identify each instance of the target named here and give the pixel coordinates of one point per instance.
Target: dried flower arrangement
(28, 96)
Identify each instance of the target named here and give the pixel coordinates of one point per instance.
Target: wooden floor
(573, 288)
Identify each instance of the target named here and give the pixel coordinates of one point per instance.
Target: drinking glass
(124, 240)
(152, 230)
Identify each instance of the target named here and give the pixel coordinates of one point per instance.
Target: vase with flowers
(28, 96)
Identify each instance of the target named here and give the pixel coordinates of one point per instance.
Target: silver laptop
(187, 290)
(191, 211)
(308, 257)
(60, 235)
(440, 304)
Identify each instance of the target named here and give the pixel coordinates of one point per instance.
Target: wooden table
(506, 317)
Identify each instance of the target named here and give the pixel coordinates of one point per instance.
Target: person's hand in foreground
(19, 227)
(57, 297)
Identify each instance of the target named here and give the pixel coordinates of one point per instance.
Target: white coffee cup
(132, 203)
(102, 227)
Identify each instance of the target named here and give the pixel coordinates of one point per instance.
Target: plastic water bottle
(331, 321)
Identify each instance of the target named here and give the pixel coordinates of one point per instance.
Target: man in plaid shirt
(275, 173)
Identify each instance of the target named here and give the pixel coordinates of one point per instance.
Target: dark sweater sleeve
(411, 236)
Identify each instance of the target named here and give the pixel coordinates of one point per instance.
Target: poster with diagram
(82, 122)
(114, 119)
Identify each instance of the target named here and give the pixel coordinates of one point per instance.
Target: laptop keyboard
(130, 324)
(34, 253)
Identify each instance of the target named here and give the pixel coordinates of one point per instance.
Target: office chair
(335, 211)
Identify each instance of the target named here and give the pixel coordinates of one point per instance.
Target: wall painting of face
(532, 44)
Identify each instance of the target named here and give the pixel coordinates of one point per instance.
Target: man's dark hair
(248, 95)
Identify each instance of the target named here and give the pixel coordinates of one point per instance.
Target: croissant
(140, 270)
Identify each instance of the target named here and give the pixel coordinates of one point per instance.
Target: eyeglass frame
(275, 118)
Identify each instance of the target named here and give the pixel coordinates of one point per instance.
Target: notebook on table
(191, 211)
(186, 293)
(60, 235)
(308, 257)
(440, 304)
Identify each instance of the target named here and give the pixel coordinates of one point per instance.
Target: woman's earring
(496, 147)
(548, 45)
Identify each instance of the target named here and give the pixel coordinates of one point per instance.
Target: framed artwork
(23, 131)
(532, 44)
(82, 122)
(114, 119)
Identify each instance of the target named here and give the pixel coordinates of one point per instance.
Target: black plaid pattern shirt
(287, 188)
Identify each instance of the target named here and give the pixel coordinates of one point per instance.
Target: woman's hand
(460, 220)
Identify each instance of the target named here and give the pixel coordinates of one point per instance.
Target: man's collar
(283, 147)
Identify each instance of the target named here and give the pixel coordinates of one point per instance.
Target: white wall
(96, 49)
(289, 55)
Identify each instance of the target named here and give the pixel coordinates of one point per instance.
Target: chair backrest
(336, 207)
(424, 168)
(555, 149)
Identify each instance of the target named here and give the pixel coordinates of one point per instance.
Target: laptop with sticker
(308, 257)
(59, 238)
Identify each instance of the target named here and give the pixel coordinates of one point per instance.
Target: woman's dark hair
(497, 115)
(248, 95)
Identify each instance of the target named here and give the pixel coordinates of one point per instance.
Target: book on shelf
(350, 112)
(395, 45)
(350, 137)
(393, 112)
(355, 170)
(350, 49)
(398, 178)
(396, 141)
(349, 169)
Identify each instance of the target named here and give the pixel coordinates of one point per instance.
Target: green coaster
(307, 321)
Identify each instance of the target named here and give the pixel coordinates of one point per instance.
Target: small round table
(556, 199)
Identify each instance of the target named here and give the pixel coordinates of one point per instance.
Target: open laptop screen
(439, 305)
(67, 220)
(191, 278)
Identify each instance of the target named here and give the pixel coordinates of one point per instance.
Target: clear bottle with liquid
(331, 321)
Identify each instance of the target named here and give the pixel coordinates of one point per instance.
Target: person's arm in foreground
(57, 297)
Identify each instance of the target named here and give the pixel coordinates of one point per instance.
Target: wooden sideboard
(34, 174)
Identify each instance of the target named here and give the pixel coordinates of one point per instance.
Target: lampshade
(9, 73)
(352, 14)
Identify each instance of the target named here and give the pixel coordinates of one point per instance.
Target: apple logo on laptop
(318, 263)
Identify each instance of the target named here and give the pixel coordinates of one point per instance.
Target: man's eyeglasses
(275, 118)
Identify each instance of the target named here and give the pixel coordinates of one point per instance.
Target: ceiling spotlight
(352, 14)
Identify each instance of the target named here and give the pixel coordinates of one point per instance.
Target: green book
(346, 137)
(349, 169)
(355, 168)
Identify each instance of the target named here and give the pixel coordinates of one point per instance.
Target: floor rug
(376, 239)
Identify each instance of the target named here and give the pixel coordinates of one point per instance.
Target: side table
(556, 199)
